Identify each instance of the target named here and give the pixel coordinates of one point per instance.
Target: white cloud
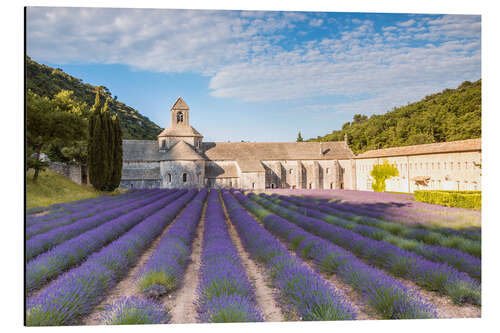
(243, 55)
(315, 22)
(406, 23)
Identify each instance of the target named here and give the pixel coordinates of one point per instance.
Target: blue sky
(258, 75)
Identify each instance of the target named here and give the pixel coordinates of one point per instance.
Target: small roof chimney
(321, 148)
(345, 138)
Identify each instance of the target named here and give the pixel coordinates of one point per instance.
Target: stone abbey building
(180, 159)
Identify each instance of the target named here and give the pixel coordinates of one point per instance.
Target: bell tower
(179, 129)
(180, 113)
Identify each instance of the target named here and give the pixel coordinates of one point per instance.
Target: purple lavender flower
(133, 311)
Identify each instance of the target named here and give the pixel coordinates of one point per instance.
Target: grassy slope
(53, 188)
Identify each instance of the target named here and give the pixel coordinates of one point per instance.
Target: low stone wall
(76, 173)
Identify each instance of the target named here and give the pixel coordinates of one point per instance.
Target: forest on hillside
(46, 81)
(453, 114)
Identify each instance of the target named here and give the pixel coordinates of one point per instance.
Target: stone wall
(253, 180)
(182, 174)
(223, 182)
(76, 173)
(449, 171)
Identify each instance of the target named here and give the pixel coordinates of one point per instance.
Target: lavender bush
(455, 258)
(75, 293)
(432, 276)
(225, 293)
(133, 311)
(389, 297)
(163, 272)
(418, 232)
(302, 291)
(85, 211)
(52, 263)
(43, 242)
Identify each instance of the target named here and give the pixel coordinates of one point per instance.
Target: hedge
(463, 199)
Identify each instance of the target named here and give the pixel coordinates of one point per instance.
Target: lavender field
(197, 256)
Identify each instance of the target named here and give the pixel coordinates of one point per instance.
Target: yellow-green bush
(464, 199)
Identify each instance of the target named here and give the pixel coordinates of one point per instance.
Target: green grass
(53, 188)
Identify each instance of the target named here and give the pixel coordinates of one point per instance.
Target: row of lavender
(43, 242)
(455, 258)
(430, 275)
(74, 251)
(86, 211)
(62, 209)
(428, 235)
(409, 216)
(161, 274)
(303, 292)
(225, 293)
(388, 297)
(75, 293)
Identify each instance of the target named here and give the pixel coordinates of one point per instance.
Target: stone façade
(180, 159)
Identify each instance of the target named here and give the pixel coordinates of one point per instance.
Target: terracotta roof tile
(431, 148)
(180, 130)
(261, 151)
(250, 166)
(213, 170)
(180, 105)
(181, 151)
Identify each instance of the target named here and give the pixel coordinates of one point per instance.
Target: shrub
(465, 199)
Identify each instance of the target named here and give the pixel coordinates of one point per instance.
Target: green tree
(299, 137)
(382, 172)
(104, 147)
(118, 154)
(49, 121)
(95, 158)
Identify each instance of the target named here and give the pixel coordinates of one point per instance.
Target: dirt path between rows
(364, 311)
(265, 295)
(127, 286)
(182, 301)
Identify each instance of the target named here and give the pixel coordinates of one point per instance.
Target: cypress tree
(99, 164)
(93, 170)
(106, 144)
(117, 153)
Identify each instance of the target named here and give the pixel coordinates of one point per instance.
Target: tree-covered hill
(453, 114)
(46, 81)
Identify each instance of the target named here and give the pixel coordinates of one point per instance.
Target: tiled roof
(180, 130)
(181, 151)
(139, 174)
(180, 105)
(141, 150)
(213, 170)
(431, 148)
(250, 166)
(260, 151)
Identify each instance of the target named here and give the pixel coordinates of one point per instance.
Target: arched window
(180, 117)
(169, 178)
(163, 143)
(184, 177)
(272, 185)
